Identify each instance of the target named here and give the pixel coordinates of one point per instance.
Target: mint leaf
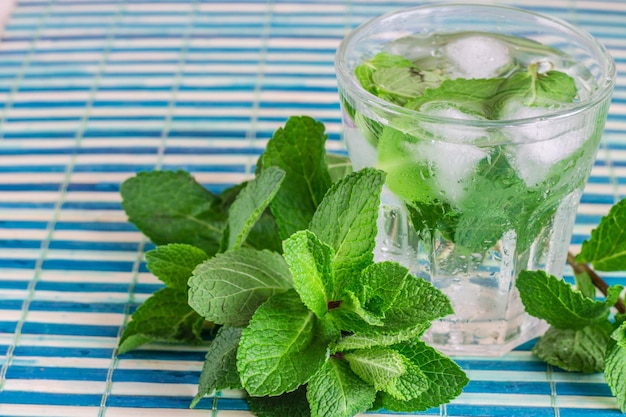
(409, 385)
(445, 378)
(364, 341)
(336, 391)
(310, 263)
(417, 303)
(264, 234)
(552, 299)
(580, 350)
(346, 221)
(249, 205)
(298, 149)
(612, 294)
(282, 347)
(376, 366)
(550, 88)
(219, 371)
(163, 317)
(408, 175)
(606, 249)
(365, 71)
(291, 404)
(584, 284)
(401, 84)
(615, 366)
(228, 288)
(471, 96)
(171, 207)
(338, 166)
(379, 284)
(487, 97)
(174, 263)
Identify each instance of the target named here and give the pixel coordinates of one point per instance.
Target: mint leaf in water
(298, 149)
(164, 317)
(615, 367)
(606, 249)
(365, 71)
(580, 350)
(228, 288)
(552, 299)
(310, 263)
(249, 205)
(335, 390)
(487, 97)
(174, 263)
(171, 207)
(346, 221)
(220, 367)
(282, 347)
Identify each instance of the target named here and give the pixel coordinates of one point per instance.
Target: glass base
(483, 338)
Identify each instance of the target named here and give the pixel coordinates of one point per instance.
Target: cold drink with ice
(487, 140)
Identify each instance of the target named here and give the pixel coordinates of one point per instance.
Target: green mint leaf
(401, 84)
(228, 288)
(552, 299)
(584, 284)
(408, 386)
(378, 285)
(249, 205)
(376, 366)
(351, 316)
(365, 71)
(580, 350)
(471, 96)
(552, 87)
(282, 347)
(163, 317)
(310, 263)
(264, 234)
(408, 176)
(426, 218)
(445, 378)
(338, 166)
(174, 263)
(606, 249)
(364, 341)
(336, 391)
(487, 97)
(298, 149)
(291, 404)
(415, 303)
(612, 294)
(615, 366)
(220, 366)
(346, 221)
(171, 207)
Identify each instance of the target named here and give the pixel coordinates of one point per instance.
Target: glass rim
(351, 83)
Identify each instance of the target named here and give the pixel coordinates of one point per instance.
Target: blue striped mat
(93, 91)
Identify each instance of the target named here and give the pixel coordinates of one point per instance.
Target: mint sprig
(584, 337)
(310, 328)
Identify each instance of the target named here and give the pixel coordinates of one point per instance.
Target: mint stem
(598, 282)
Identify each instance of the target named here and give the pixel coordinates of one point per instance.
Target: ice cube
(452, 165)
(449, 131)
(542, 143)
(478, 56)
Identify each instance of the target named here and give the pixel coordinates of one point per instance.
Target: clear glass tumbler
(483, 177)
